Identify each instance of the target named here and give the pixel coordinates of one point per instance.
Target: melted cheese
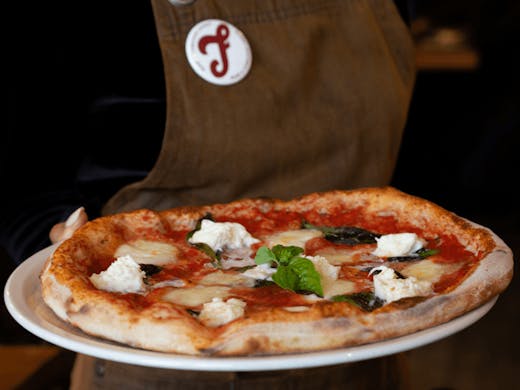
(338, 256)
(196, 296)
(260, 272)
(149, 252)
(338, 287)
(227, 279)
(329, 278)
(292, 237)
(429, 270)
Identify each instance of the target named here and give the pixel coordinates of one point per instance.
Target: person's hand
(64, 230)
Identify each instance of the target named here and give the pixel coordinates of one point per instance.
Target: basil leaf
(263, 283)
(293, 272)
(150, 269)
(365, 300)
(421, 254)
(198, 225)
(215, 256)
(349, 235)
(299, 276)
(424, 252)
(286, 277)
(264, 255)
(285, 253)
(308, 278)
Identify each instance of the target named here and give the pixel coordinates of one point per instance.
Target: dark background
(82, 76)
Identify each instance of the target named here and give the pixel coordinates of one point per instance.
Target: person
(322, 107)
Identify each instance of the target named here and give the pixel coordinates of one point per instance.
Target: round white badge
(218, 52)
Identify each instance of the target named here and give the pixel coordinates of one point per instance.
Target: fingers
(64, 230)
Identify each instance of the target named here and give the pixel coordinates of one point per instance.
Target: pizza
(265, 276)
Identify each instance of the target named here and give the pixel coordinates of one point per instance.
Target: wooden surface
(446, 60)
(19, 361)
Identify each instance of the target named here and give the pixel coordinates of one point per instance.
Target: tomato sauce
(263, 223)
(271, 295)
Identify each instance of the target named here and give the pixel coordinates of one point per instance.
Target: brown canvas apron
(323, 107)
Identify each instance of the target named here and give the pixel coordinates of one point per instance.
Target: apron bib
(323, 106)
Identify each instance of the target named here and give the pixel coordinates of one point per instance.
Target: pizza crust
(67, 290)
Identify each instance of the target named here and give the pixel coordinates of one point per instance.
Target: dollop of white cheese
(222, 235)
(124, 275)
(149, 252)
(389, 287)
(217, 312)
(400, 244)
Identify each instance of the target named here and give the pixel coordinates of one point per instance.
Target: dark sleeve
(85, 113)
(26, 222)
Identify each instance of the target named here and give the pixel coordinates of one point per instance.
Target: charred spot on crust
(84, 309)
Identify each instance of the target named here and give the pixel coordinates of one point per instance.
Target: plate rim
(21, 310)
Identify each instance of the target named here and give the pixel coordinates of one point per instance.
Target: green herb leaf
(263, 283)
(215, 256)
(286, 277)
(264, 255)
(198, 225)
(349, 235)
(150, 269)
(424, 252)
(421, 254)
(286, 253)
(293, 272)
(308, 278)
(365, 300)
(193, 313)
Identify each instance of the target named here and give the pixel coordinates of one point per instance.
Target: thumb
(64, 230)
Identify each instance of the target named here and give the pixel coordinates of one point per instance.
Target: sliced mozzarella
(227, 279)
(234, 263)
(292, 237)
(389, 287)
(217, 312)
(328, 275)
(324, 268)
(196, 296)
(170, 283)
(149, 252)
(338, 287)
(429, 270)
(296, 309)
(237, 258)
(355, 255)
(260, 272)
(124, 275)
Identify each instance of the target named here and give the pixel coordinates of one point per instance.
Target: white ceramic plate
(23, 299)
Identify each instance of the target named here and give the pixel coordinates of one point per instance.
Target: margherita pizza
(259, 276)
